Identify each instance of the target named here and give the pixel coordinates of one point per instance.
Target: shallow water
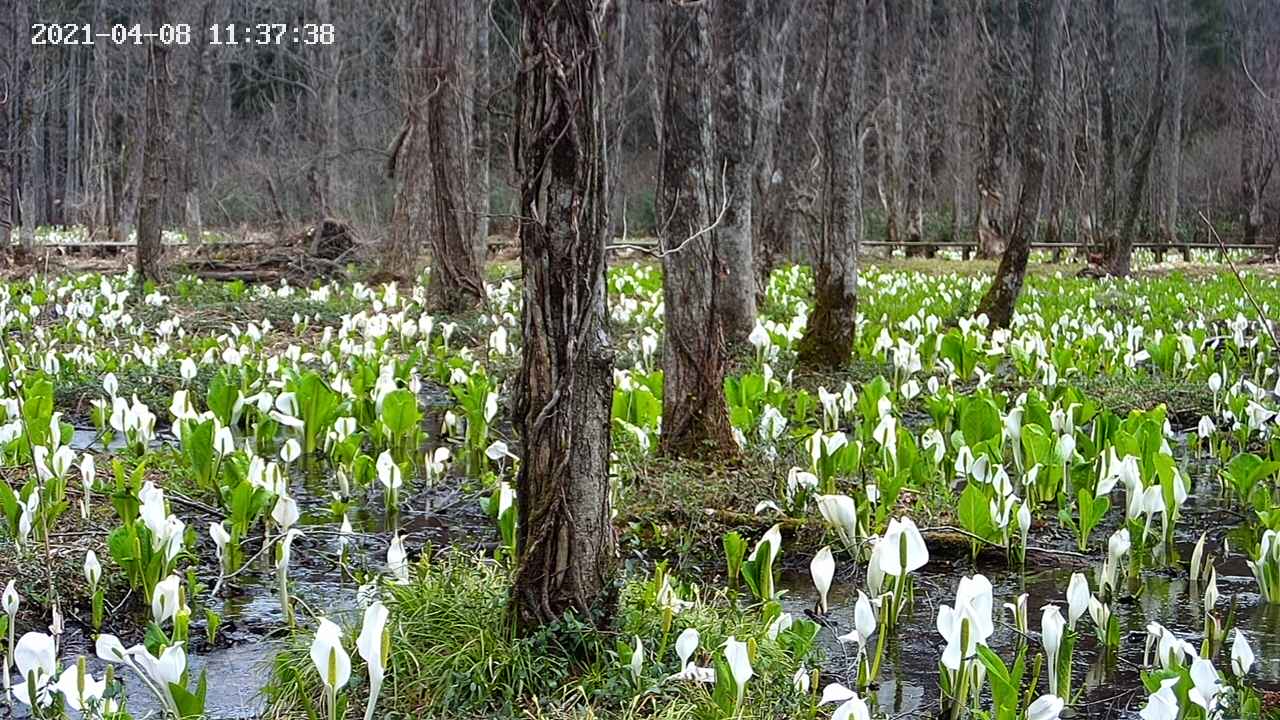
(1111, 688)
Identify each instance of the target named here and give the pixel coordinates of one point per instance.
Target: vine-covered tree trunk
(565, 388)
(695, 419)
(735, 118)
(1007, 285)
(828, 338)
(154, 160)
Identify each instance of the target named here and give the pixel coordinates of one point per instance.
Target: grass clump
(455, 654)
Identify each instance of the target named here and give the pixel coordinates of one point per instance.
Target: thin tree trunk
(324, 117)
(565, 390)
(151, 194)
(1003, 294)
(192, 218)
(695, 419)
(617, 89)
(828, 338)
(1120, 250)
(1173, 170)
(26, 147)
(479, 167)
(1106, 81)
(735, 115)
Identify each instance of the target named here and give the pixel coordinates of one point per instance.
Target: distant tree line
(1151, 111)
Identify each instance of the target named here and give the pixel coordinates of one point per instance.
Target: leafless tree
(828, 337)
(1120, 249)
(431, 154)
(156, 150)
(1003, 294)
(695, 419)
(734, 23)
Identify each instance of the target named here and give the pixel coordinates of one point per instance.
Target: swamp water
(239, 663)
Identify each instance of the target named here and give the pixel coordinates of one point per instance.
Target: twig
(1240, 279)
(724, 210)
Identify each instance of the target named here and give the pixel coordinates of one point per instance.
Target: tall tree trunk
(155, 149)
(193, 221)
(828, 338)
(480, 131)
(1251, 142)
(324, 117)
(1003, 294)
(430, 158)
(26, 147)
(617, 89)
(1171, 185)
(735, 120)
(695, 419)
(989, 227)
(565, 389)
(788, 185)
(1106, 81)
(1120, 249)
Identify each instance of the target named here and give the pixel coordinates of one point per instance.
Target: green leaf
(400, 412)
(974, 511)
(979, 421)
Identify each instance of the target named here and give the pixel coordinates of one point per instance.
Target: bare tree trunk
(1003, 294)
(429, 158)
(9, 143)
(828, 338)
(154, 164)
(1253, 178)
(1120, 249)
(566, 539)
(26, 147)
(989, 229)
(1173, 157)
(324, 118)
(1106, 81)
(786, 191)
(617, 88)
(695, 419)
(193, 221)
(480, 131)
(735, 117)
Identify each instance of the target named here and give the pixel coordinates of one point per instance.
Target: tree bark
(1106, 81)
(25, 147)
(1170, 204)
(430, 159)
(154, 163)
(193, 220)
(479, 172)
(1120, 249)
(565, 389)
(324, 117)
(786, 188)
(828, 337)
(989, 226)
(695, 419)
(735, 120)
(1003, 294)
